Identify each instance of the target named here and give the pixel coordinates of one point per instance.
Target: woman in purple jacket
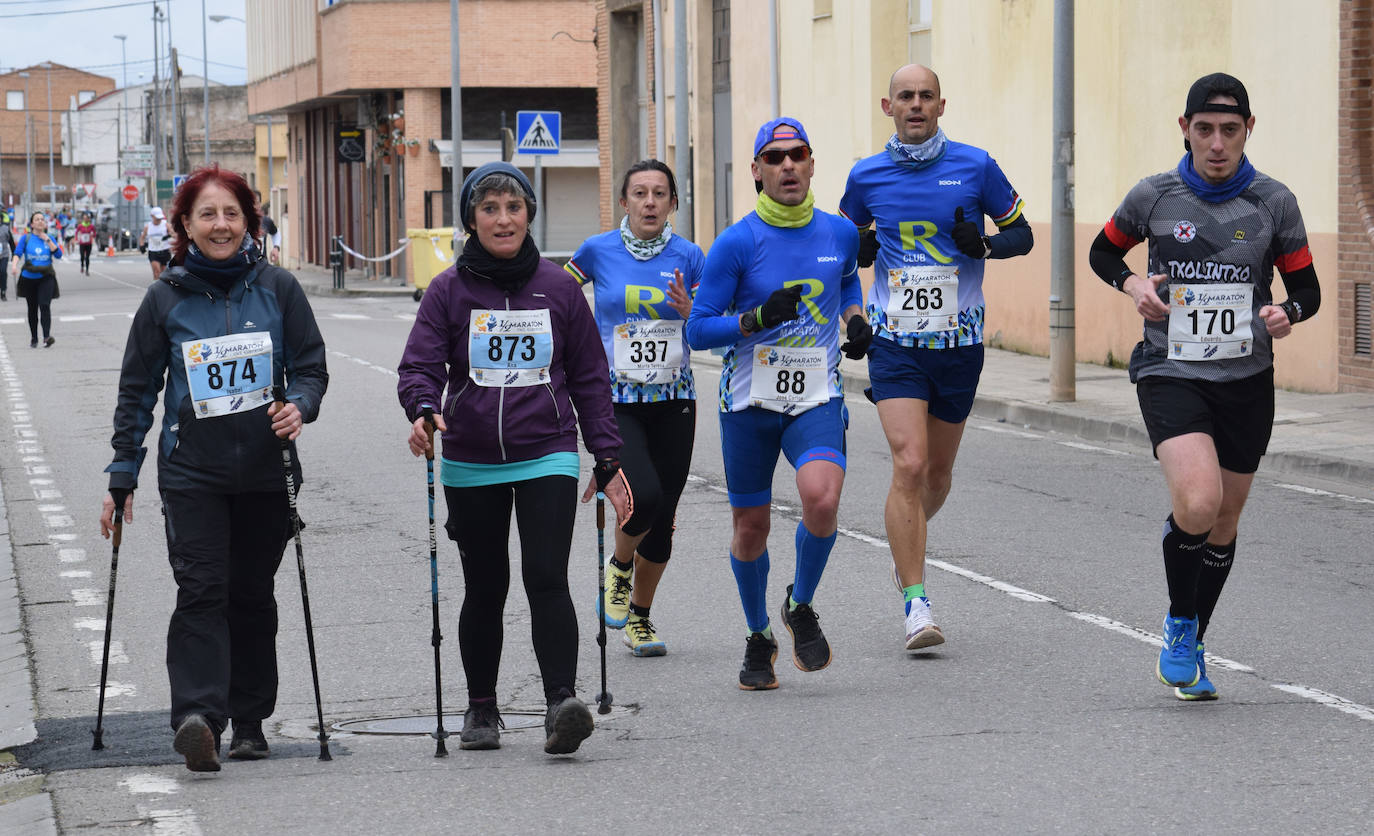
(515, 343)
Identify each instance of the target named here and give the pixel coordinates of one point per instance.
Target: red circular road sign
(130, 192)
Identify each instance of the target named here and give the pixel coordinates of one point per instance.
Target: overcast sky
(80, 33)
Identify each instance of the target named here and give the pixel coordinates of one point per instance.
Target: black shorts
(163, 257)
(1238, 415)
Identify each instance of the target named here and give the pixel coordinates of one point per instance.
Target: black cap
(1217, 84)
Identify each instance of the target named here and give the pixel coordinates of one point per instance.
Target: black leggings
(479, 522)
(39, 298)
(85, 256)
(656, 454)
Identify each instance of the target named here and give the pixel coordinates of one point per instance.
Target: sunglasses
(774, 156)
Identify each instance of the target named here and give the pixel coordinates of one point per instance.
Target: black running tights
(479, 522)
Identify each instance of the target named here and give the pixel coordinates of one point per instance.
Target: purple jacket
(496, 425)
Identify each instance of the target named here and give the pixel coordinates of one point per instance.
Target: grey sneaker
(567, 724)
(195, 740)
(248, 742)
(482, 726)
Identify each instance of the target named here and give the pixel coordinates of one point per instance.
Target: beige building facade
(362, 88)
(1307, 72)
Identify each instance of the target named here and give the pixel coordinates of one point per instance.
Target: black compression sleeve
(1014, 239)
(1304, 294)
(1108, 261)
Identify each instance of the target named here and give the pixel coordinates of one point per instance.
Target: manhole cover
(425, 724)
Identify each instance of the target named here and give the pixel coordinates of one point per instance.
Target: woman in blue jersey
(37, 280)
(642, 275)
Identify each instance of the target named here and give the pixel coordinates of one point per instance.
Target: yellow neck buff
(777, 214)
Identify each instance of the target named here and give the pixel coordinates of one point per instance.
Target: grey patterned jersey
(1210, 249)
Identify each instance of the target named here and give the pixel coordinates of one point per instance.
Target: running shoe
(756, 674)
(1203, 689)
(921, 631)
(614, 603)
(641, 638)
(248, 742)
(1178, 658)
(482, 726)
(195, 741)
(566, 724)
(810, 650)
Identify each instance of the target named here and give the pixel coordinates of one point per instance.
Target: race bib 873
(510, 348)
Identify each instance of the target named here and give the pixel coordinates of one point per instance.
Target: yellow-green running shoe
(641, 638)
(613, 604)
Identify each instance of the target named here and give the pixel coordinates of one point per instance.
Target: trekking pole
(98, 731)
(603, 699)
(279, 395)
(435, 637)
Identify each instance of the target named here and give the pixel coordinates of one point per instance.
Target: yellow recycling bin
(431, 252)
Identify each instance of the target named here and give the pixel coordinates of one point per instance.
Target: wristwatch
(748, 322)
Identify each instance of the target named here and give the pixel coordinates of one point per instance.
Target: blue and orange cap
(784, 127)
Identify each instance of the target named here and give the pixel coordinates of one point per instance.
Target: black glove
(143, 248)
(120, 497)
(868, 246)
(968, 236)
(780, 307)
(604, 471)
(860, 337)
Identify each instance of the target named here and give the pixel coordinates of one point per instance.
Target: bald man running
(926, 197)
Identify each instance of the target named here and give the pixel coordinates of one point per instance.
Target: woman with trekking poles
(220, 330)
(642, 275)
(513, 340)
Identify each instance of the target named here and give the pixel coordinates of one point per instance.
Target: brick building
(30, 98)
(1355, 228)
(381, 67)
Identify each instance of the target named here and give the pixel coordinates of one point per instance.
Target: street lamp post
(124, 63)
(205, 77)
(28, 148)
(52, 182)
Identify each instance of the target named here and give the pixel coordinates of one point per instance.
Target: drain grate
(419, 724)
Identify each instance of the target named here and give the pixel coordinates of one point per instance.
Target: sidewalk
(1326, 436)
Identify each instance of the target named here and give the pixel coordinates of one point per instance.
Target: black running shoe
(756, 674)
(810, 650)
(195, 741)
(482, 726)
(567, 724)
(248, 742)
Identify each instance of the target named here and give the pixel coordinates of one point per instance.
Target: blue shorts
(751, 439)
(945, 378)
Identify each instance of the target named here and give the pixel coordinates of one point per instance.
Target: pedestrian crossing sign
(538, 131)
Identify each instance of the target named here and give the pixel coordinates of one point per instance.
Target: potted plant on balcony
(413, 146)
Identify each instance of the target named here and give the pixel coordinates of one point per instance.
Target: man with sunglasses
(775, 288)
(1204, 372)
(926, 197)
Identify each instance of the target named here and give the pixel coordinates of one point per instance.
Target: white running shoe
(921, 631)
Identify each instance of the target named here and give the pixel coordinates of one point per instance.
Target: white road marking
(51, 509)
(116, 689)
(350, 316)
(147, 782)
(117, 655)
(75, 573)
(96, 624)
(1006, 431)
(1364, 712)
(1092, 448)
(71, 555)
(368, 364)
(59, 521)
(1319, 492)
(89, 597)
(76, 318)
(172, 822)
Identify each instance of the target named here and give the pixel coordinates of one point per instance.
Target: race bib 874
(228, 374)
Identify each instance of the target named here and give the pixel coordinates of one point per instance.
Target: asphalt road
(1040, 713)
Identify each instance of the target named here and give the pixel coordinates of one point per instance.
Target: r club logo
(1184, 231)
(1239, 236)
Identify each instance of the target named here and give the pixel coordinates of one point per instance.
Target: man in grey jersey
(1204, 373)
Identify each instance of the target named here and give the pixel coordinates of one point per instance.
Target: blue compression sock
(812, 554)
(752, 579)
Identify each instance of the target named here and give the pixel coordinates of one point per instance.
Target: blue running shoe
(1203, 689)
(1178, 659)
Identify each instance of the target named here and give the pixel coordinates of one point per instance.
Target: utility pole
(205, 78)
(28, 147)
(51, 181)
(178, 165)
(155, 136)
(456, 117)
(681, 129)
(1063, 345)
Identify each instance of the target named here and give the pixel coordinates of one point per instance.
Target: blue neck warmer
(917, 156)
(223, 274)
(1216, 192)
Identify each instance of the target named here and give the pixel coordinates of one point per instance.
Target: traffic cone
(109, 247)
